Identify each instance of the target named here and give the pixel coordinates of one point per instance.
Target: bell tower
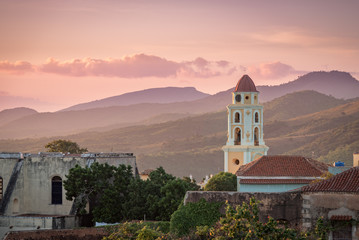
(245, 127)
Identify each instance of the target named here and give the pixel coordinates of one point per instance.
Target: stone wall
(280, 206)
(84, 234)
(327, 205)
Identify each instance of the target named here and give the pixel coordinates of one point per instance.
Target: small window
(1, 186)
(236, 161)
(237, 117)
(56, 191)
(256, 118)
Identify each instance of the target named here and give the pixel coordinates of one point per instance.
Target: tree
(104, 187)
(64, 146)
(223, 181)
(157, 197)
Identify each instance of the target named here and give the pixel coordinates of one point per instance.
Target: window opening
(56, 191)
(237, 117)
(237, 140)
(256, 139)
(1, 187)
(256, 118)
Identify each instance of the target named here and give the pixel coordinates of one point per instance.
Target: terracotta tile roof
(295, 166)
(341, 218)
(276, 181)
(245, 84)
(347, 181)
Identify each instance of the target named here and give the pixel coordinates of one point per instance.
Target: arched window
(237, 117)
(256, 118)
(1, 186)
(256, 135)
(56, 190)
(237, 137)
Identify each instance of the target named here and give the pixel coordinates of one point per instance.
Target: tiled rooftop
(294, 166)
(347, 181)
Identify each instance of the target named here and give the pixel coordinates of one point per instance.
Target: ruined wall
(280, 206)
(32, 190)
(7, 164)
(326, 205)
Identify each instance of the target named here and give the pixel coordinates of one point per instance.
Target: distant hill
(153, 95)
(335, 83)
(192, 144)
(10, 115)
(298, 104)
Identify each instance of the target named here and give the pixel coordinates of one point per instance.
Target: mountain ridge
(152, 95)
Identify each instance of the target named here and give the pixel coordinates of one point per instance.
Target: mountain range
(186, 137)
(156, 106)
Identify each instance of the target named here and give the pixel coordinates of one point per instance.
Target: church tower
(245, 127)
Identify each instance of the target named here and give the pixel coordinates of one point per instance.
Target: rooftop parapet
(11, 155)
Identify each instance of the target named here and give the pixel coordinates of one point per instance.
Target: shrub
(191, 215)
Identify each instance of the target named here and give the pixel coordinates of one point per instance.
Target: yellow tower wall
(355, 159)
(232, 157)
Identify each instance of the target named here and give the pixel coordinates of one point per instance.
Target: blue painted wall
(268, 187)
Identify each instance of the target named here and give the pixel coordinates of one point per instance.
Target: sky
(55, 54)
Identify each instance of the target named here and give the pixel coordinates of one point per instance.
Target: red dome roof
(245, 84)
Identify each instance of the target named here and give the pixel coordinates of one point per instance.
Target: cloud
(19, 67)
(135, 66)
(272, 70)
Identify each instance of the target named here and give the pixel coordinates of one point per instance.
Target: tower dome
(245, 84)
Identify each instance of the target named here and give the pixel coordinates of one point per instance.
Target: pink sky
(55, 54)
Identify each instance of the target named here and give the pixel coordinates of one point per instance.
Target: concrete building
(32, 193)
(245, 127)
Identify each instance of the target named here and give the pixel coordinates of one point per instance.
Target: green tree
(64, 146)
(223, 181)
(104, 187)
(157, 197)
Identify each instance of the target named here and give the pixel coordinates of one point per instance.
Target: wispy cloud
(135, 66)
(19, 67)
(272, 70)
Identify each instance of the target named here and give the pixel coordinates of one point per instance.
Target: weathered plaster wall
(32, 191)
(326, 205)
(280, 206)
(7, 163)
